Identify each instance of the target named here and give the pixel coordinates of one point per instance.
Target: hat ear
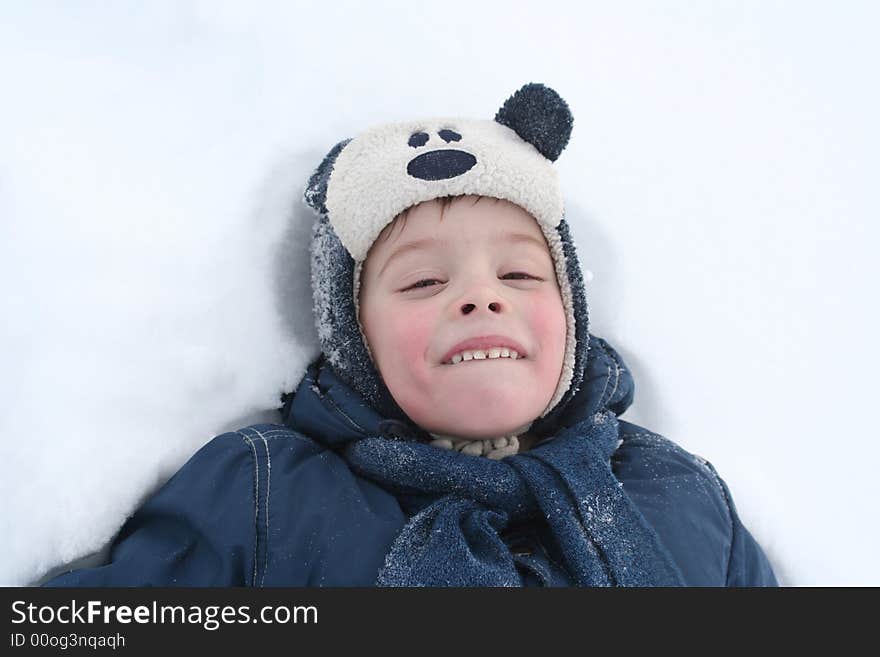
(539, 116)
(316, 191)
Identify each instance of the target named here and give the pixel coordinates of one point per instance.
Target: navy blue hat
(365, 182)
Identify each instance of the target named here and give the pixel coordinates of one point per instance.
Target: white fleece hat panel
(371, 184)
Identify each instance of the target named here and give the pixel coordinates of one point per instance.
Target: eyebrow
(430, 242)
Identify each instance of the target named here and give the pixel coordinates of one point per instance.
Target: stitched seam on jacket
(616, 382)
(602, 396)
(268, 485)
(325, 394)
(262, 543)
(277, 434)
(345, 415)
(256, 500)
(617, 371)
(607, 377)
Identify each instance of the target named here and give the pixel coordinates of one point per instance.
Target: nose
(481, 291)
(486, 300)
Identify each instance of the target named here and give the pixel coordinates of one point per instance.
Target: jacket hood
(326, 409)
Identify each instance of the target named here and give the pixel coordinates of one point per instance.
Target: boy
(460, 427)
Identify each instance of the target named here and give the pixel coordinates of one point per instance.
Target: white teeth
(483, 354)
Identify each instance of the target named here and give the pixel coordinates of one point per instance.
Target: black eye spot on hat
(449, 135)
(418, 139)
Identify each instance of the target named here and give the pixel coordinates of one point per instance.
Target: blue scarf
(464, 504)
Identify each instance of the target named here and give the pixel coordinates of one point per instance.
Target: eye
(419, 284)
(418, 139)
(519, 274)
(449, 135)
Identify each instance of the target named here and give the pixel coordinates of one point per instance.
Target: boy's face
(484, 270)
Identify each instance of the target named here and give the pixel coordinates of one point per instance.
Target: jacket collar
(326, 409)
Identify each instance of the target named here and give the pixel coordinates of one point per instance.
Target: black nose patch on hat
(440, 165)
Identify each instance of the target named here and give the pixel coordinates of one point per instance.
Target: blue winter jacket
(278, 505)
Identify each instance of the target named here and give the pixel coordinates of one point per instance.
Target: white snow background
(720, 181)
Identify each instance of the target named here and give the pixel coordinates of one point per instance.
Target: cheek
(399, 339)
(547, 319)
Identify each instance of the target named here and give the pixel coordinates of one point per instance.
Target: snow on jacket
(279, 505)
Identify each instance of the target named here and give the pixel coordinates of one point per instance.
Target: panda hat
(365, 182)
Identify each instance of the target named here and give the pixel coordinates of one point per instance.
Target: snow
(153, 246)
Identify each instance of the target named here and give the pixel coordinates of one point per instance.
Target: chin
(473, 409)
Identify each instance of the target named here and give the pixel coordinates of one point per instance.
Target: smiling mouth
(495, 353)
